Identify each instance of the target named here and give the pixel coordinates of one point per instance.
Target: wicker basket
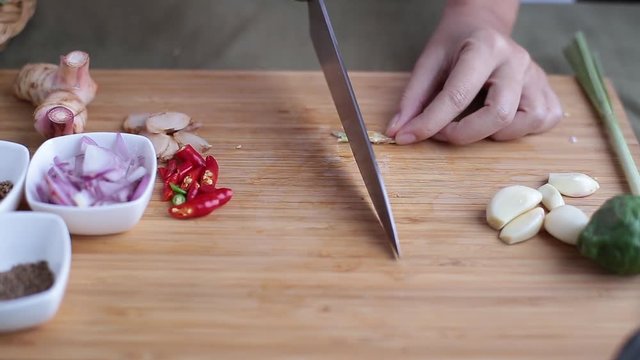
(14, 15)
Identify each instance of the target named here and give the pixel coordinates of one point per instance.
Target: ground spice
(5, 187)
(25, 279)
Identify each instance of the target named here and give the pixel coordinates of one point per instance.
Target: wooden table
(296, 265)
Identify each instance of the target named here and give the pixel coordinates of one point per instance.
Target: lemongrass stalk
(590, 75)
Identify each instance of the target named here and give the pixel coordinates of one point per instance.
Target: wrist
(500, 15)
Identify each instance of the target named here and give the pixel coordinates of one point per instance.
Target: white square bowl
(27, 237)
(13, 167)
(96, 220)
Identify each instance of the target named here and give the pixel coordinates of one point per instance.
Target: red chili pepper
(191, 178)
(173, 178)
(210, 175)
(183, 170)
(171, 166)
(193, 191)
(188, 154)
(162, 172)
(202, 205)
(168, 169)
(167, 192)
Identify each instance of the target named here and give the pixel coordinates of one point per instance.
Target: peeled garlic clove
(374, 137)
(341, 135)
(573, 184)
(523, 227)
(551, 197)
(379, 138)
(565, 223)
(167, 122)
(509, 202)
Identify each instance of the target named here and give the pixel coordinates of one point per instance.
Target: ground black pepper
(5, 187)
(25, 279)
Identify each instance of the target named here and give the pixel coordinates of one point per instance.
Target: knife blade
(326, 47)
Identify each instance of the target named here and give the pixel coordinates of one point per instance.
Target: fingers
(500, 108)
(519, 99)
(539, 109)
(424, 82)
(475, 64)
(555, 111)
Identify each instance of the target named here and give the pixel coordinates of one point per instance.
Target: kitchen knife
(326, 47)
(631, 349)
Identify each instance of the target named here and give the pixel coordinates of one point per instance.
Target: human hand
(470, 51)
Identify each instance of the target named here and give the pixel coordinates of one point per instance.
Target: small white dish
(28, 237)
(95, 220)
(13, 167)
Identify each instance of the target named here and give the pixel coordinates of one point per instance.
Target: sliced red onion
(141, 186)
(97, 176)
(42, 192)
(97, 161)
(56, 194)
(83, 198)
(120, 148)
(60, 163)
(116, 174)
(136, 174)
(84, 141)
(78, 168)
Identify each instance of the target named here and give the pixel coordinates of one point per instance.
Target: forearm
(501, 14)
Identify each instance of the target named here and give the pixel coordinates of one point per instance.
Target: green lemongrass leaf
(594, 76)
(590, 75)
(600, 74)
(583, 63)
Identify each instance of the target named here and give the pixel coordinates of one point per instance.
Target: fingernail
(405, 138)
(393, 124)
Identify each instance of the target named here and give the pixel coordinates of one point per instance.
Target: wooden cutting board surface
(296, 265)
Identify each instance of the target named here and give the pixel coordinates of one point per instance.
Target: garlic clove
(509, 202)
(523, 227)
(167, 122)
(375, 137)
(551, 197)
(565, 223)
(573, 184)
(185, 137)
(380, 138)
(135, 123)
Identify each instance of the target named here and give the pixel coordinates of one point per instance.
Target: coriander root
(61, 93)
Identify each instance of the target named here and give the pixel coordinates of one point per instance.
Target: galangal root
(168, 132)
(60, 93)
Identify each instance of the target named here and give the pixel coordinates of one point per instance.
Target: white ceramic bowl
(13, 167)
(97, 220)
(27, 237)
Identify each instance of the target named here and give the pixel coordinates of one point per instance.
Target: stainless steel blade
(326, 46)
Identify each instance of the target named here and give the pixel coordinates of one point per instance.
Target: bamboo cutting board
(296, 265)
